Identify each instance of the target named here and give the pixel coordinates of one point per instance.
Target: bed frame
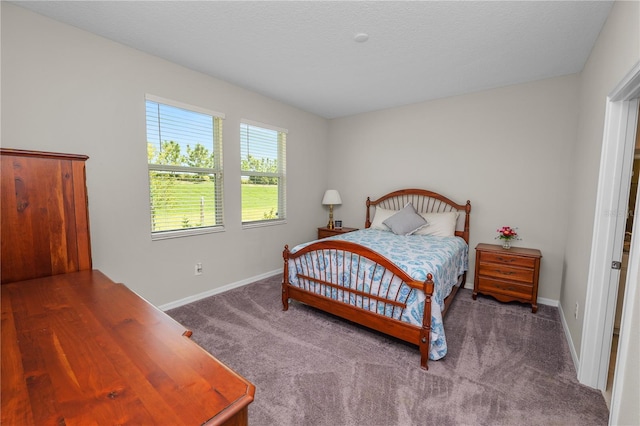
(424, 202)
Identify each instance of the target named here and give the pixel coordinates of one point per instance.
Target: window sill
(260, 224)
(165, 235)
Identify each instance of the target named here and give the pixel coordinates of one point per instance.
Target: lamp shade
(331, 196)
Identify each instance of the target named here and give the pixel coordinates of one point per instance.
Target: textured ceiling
(303, 53)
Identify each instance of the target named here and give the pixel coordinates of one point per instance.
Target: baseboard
(567, 335)
(217, 290)
(548, 302)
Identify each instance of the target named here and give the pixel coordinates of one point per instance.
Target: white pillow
(380, 216)
(406, 221)
(439, 224)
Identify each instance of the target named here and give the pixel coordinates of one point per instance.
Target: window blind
(184, 150)
(263, 170)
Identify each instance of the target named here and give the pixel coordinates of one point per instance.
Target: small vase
(506, 244)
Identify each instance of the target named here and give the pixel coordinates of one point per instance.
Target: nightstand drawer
(507, 274)
(505, 287)
(508, 259)
(496, 270)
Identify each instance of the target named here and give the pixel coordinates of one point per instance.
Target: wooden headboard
(424, 202)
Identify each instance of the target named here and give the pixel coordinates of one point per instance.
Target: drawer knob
(502, 259)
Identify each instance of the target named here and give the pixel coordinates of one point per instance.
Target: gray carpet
(505, 366)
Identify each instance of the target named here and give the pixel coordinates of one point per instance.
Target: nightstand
(325, 232)
(507, 275)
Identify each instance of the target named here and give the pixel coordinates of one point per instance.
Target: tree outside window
(263, 167)
(185, 167)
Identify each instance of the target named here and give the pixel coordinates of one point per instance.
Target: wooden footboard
(348, 282)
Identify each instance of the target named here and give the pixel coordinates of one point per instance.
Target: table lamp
(331, 198)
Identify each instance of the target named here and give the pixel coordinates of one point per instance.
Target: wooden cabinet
(507, 275)
(45, 222)
(78, 348)
(325, 232)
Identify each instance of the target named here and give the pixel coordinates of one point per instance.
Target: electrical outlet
(198, 269)
(575, 312)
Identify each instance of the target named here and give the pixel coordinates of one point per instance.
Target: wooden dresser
(78, 348)
(45, 222)
(507, 275)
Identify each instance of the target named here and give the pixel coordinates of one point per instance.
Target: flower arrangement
(506, 234)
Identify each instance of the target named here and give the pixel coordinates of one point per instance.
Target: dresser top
(42, 154)
(78, 348)
(520, 251)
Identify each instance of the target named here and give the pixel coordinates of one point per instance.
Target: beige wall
(66, 90)
(526, 155)
(616, 51)
(507, 150)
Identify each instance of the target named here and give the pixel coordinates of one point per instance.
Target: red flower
(507, 233)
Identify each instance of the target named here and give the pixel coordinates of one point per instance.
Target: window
(263, 165)
(184, 150)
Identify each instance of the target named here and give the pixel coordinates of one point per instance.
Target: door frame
(611, 206)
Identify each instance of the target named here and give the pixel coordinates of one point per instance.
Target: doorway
(619, 139)
(633, 193)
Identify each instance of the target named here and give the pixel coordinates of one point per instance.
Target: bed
(395, 276)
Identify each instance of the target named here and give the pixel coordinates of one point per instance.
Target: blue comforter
(445, 258)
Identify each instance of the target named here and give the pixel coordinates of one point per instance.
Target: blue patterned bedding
(444, 257)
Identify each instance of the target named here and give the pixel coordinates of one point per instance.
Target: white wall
(507, 150)
(66, 90)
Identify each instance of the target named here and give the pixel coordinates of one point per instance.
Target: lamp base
(330, 225)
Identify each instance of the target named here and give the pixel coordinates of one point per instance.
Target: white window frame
(281, 175)
(217, 170)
